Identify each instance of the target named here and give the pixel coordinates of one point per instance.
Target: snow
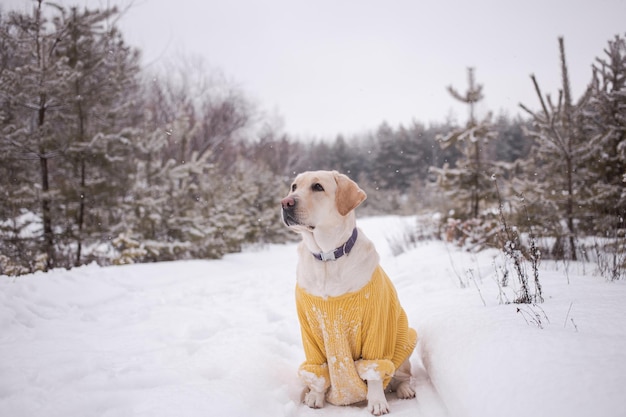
(203, 338)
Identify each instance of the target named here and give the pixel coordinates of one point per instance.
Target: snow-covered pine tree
(66, 99)
(469, 182)
(155, 214)
(156, 206)
(249, 199)
(103, 72)
(18, 200)
(555, 171)
(604, 154)
(33, 86)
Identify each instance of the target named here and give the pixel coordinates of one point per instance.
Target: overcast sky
(345, 66)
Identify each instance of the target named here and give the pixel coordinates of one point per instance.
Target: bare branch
(538, 90)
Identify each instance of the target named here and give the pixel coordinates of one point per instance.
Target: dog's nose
(288, 202)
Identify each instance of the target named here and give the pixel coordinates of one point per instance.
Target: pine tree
(557, 161)
(103, 78)
(67, 98)
(17, 197)
(604, 155)
(469, 183)
(33, 88)
(167, 212)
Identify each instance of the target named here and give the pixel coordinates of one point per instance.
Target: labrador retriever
(355, 334)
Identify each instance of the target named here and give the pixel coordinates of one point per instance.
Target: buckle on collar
(328, 256)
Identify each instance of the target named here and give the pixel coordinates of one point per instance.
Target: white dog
(356, 336)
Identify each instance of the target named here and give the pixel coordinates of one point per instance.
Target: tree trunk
(46, 215)
(81, 213)
(80, 219)
(476, 193)
(48, 236)
(569, 210)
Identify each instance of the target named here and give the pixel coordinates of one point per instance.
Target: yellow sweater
(354, 337)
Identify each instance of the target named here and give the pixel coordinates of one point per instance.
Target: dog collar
(340, 251)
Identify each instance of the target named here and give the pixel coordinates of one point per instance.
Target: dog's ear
(349, 195)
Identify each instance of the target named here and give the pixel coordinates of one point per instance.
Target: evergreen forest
(103, 160)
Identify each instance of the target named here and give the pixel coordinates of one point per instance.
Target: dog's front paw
(405, 390)
(378, 407)
(376, 401)
(314, 399)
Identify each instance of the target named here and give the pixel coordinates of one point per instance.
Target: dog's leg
(401, 382)
(376, 401)
(315, 399)
(315, 395)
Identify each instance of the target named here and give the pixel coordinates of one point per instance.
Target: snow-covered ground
(221, 338)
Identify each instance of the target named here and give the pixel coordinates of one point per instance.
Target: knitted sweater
(354, 337)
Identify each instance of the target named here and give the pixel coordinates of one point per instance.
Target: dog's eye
(293, 187)
(317, 187)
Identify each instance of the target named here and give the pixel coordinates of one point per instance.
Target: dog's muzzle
(289, 211)
(289, 218)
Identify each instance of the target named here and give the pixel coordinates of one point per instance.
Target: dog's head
(319, 198)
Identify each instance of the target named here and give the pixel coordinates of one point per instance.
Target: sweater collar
(340, 251)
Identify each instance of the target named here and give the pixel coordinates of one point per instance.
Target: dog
(356, 337)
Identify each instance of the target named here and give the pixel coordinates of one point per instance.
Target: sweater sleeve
(314, 370)
(378, 369)
(384, 324)
(379, 338)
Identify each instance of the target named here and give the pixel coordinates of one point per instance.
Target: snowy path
(204, 338)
